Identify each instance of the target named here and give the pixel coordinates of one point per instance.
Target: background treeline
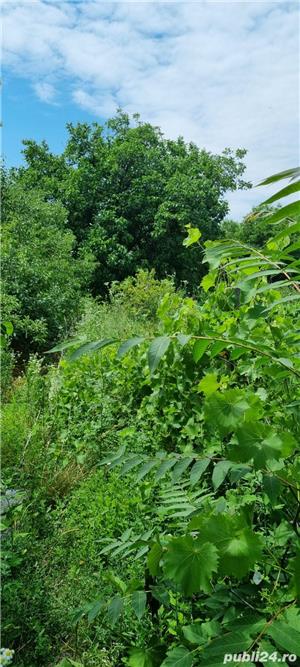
(116, 200)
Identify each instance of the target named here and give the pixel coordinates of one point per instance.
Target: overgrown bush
(56, 427)
(41, 278)
(141, 294)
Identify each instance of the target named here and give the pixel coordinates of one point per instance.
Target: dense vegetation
(128, 193)
(151, 474)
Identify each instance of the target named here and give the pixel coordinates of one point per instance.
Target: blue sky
(219, 73)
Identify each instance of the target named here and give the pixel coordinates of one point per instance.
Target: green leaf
(83, 349)
(200, 633)
(164, 468)
(200, 348)
(157, 349)
(64, 346)
(209, 280)
(285, 636)
(140, 657)
(289, 229)
(261, 274)
(194, 235)
(77, 614)
(115, 609)
(219, 473)
(238, 547)
(8, 326)
(261, 443)
(268, 648)
(113, 457)
(114, 577)
(288, 173)
(291, 616)
(278, 285)
(181, 466)
(237, 352)
(215, 252)
(91, 347)
(139, 600)
(153, 559)
(130, 464)
(226, 410)
(217, 347)
(209, 384)
(141, 552)
(128, 345)
(272, 487)
(231, 642)
(296, 565)
(198, 469)
(285, 192)
(178, 657)
(190, 563)
(289, 211)
(183, 339)
(148, 465)
(94, 610)
(292, 297)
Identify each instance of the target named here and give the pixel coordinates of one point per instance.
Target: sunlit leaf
(156, 351)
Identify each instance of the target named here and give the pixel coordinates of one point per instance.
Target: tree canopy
(129, 193)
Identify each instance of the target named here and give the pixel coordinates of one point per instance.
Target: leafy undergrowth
(57, 424)
(158, 517)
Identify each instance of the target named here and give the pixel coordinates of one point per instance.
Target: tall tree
(129, 193)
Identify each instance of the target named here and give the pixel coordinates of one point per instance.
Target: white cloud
(45, 91)
(101, 105)
(219, 73)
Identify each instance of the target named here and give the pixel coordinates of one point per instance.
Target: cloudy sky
(219, 73)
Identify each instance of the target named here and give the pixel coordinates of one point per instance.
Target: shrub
(141, 294)
(42, 280)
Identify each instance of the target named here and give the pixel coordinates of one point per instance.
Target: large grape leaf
(144, 657)
(260, 443)
(190, 563)
(238, 547)
(227, 410)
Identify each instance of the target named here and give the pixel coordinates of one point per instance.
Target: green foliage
(130, 193)
(42, 280)
(228, 542)
(190, 563)
(6, 356)
(161, 475)
(253, 229)
(141, 294)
